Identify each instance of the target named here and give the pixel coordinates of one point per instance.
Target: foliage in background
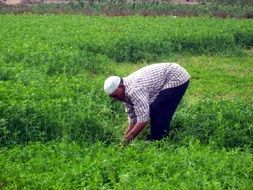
(223, 9)
(229, 2)
(70, 39)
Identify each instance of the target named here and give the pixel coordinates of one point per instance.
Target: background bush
(213, 8)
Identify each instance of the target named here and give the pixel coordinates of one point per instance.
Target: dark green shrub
(20, 124)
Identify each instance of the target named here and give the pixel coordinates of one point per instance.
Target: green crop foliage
(53, 67)
(58, 129)
(139, 166)
(223, 123)
(120, 38)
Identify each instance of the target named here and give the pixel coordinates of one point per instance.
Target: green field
(59, 130)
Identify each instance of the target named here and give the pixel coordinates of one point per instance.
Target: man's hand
(130, 127)
(128, 137)
(135, 131)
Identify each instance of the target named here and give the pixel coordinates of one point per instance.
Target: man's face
(119, 93)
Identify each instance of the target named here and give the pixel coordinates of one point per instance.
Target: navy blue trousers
(163, 108)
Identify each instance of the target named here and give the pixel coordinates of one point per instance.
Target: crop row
(140, 166)
(44, 39)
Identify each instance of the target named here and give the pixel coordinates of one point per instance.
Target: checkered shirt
(143, 86)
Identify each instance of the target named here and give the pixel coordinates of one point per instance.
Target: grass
(58, 129)
(139, 166)
(51, 81)
(119, 38)
(227, 77)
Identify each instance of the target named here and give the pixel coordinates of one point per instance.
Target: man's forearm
(138, 127)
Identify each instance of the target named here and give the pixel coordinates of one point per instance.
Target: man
(153, 92)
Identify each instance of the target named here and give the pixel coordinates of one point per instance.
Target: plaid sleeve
(141, 104)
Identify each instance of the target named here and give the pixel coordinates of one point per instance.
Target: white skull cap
(111, 84)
